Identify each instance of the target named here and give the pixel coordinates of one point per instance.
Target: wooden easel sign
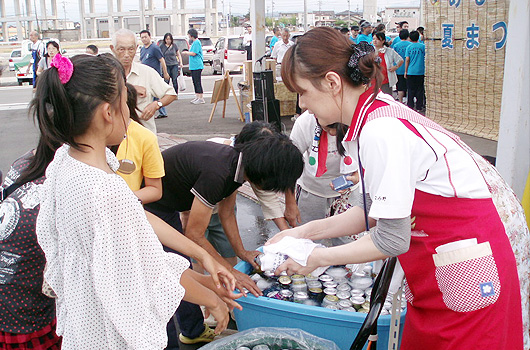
(221, 92)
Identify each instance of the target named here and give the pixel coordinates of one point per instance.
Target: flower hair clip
(64, 66)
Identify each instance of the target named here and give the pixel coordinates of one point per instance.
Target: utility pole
(349, 15)
(272, 15)
(319, 5)
(36, 16)
(64, 11)
(306, 25)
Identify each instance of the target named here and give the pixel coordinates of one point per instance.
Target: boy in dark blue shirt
(401, 48)
(415, 72)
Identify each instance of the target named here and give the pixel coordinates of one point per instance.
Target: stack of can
(339, 288)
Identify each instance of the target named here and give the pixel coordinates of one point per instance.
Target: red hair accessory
(64, 67)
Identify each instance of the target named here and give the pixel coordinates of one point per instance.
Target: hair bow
(359, 50)
(64, 66)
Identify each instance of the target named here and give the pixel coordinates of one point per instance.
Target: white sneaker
(198, 101)
(193, 101)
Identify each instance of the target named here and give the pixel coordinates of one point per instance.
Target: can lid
(315, 290)
(343, 294)
(330, 291)
(286, 293)
(297, 277)
(300, 295)
(284, 279)
(331, 298)
(326, 278)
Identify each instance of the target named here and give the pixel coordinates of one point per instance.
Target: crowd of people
(100, 229)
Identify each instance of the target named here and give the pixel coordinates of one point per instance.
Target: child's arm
(151, 192)
(196, 293)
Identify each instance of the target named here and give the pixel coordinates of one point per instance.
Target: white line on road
(13, 106)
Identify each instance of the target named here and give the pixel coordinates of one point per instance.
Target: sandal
(205, 337)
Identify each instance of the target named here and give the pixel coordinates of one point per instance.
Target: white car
(15, 57)
(207, 50)
(229, 54)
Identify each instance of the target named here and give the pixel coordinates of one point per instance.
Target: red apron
(473, 303)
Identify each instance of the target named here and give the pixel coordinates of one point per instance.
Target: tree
(234, 21)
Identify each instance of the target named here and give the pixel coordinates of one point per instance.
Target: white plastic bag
(181, 81)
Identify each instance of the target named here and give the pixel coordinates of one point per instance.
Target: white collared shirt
(155, 86)
(279, 50)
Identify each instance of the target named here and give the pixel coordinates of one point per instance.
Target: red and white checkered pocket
(468, 278)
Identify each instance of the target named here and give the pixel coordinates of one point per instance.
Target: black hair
(344, 30)
(65, 111)
(132, 102)
(404, 34)
(272, 162)
(361, 22)
(420, 29)
(380, 27)
(193, 33)
(145, 31)
(93, 48)
(355, 28)
(254, 130)
(381, 36)
(414, 35)
(168, 35)
(54, 44)
(403, 22)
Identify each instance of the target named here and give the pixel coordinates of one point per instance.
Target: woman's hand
(296, 232)
(220, 313)
(244, 282)
(292, 267)
(228, 297)
(220, 274)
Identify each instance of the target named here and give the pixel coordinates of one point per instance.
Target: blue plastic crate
(338, 326)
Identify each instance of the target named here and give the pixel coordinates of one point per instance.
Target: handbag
(181, 81)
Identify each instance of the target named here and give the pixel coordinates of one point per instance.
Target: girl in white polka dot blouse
(116, 287)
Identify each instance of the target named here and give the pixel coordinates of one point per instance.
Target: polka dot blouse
(116, 287)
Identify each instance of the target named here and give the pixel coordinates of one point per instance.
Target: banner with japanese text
(464, 63)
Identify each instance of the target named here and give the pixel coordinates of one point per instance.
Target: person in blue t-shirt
(354, 33)
(421, 30)
(399, 27)
(401, 48)
(151, 55)
(196, 65)
(366, 33)
(415, 71)
(275, 38)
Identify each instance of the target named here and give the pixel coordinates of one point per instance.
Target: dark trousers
(189, 316)
(174, 72)
(415, 89)
(196, 78)
(249, 52)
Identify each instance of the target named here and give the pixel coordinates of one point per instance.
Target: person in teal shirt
(415, 71)
(401, 48)
(366, 33)
(196, 65)
(274, 40)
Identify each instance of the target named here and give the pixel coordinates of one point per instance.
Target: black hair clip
(359, 50)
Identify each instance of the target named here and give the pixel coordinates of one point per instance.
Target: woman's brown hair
(322, 50)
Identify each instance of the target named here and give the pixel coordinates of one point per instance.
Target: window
(235, 44)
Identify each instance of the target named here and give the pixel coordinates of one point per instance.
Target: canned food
(366, 305)
(299, 286)
(311, 302)
(357, 291)
(350, 309)
(332, 307)
(274, 295)
(329, 285)
(310, 277)
(342, 294)
(343, 304)
(357, 302)
(316, 293)
(337, 272)
(330, 300)
(243, 348)
(261, 347)
(341, 280)
(325, 278)
(330, 291)
(367, 269)
(314, 284)
(269, 274)
(256, 277)
(300, 297)
(361, 282)
(286, 294)
(344, 286)
(296, 278)
(368, 291)
(384, 312)
(363, 311)
(387, 305)
(263, 284)
(285, 281)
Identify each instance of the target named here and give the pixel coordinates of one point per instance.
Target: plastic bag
(275, 338)
(181, 81)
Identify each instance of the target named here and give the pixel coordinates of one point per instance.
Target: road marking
(13, 106)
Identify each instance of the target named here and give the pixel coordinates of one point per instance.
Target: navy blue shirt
(151, 56)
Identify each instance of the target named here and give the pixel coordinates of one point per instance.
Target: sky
(70, 10)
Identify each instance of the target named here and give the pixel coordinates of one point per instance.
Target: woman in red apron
(433, 201)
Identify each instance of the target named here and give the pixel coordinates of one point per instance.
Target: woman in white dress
(116, 287)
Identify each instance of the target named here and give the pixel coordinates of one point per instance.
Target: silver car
(229, 54)
(207, 50)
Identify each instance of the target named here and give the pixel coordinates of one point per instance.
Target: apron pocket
(468, 277)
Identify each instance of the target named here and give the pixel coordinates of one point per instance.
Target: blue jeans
(174, 72)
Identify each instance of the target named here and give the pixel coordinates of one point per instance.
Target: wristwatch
(160, 104)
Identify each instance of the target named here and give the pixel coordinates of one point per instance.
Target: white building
(393, 14)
